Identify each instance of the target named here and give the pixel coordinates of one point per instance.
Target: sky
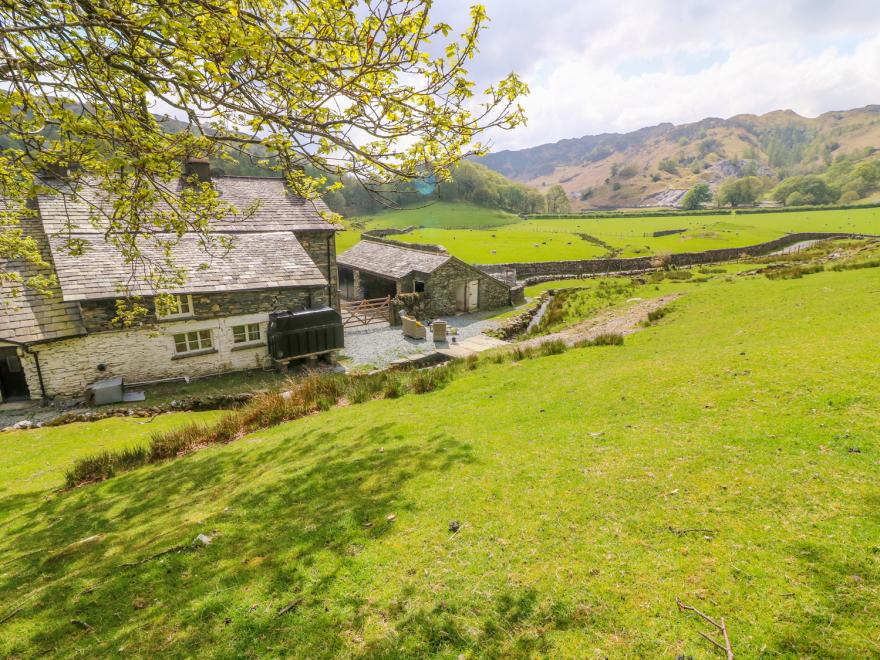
(597, 66)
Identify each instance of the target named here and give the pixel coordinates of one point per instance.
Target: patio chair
(412, 328)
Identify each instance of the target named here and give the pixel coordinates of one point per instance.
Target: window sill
(185, 317)
(244, 347)
(183, 356)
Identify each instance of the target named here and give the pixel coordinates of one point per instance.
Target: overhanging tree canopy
(371, 88)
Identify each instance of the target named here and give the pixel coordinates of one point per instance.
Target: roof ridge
(246, 176)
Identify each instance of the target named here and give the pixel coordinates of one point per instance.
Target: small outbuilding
(376, 268)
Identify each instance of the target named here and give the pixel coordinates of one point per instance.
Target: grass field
(460, 216)
(34, 461)
(479, 235)
(727, 456)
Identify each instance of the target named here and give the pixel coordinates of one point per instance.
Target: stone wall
(424, 247)
(70, 365)
(528, 272)
(517, 295)
(391, 231)
(500, 272)
(30, 372)
(98, 314)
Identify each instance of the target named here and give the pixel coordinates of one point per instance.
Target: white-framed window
(418, 286)
(181, 306)
(193, 342)
(246, 334)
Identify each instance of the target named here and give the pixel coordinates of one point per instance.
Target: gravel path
(379, 345)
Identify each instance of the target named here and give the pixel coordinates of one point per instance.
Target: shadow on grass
(288, 521)
(844, 587)
(516, 623)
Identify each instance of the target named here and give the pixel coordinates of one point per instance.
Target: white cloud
(617, 66)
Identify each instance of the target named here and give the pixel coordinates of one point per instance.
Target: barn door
(473, 295)
(13, 385)
(461, 297)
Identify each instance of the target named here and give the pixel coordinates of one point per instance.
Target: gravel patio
(379, 345)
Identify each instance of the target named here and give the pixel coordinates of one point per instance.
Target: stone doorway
(13, 384)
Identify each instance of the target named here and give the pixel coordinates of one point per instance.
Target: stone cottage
(283, 257)
(376, 268)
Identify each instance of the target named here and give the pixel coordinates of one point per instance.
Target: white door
(461, 297)
(473, 295)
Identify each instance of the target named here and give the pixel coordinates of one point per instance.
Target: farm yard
(718, 457)
(489, 236)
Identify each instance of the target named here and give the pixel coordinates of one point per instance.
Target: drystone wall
(544, 270)
(390, 231)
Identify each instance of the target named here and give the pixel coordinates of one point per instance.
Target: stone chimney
(201, 167)
(55, 171)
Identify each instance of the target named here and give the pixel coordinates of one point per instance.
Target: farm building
(377, 268)
(282, 258)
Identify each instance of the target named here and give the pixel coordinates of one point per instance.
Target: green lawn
(508, 245)
(445, 215)
(441, 215)
(479, 235)
(35, 460)
(346, 238)
(727, 456)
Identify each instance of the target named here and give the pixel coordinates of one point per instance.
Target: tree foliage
(709, 146)
(786, 145)
(476, 183)
(805, 190)
(374, 91)
(696, 197)
(668, 165)
(740, 192)
(469, 182)
(557, 200)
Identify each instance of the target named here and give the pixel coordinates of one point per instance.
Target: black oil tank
(311, 331)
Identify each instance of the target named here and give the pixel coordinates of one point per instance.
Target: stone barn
(376, 268)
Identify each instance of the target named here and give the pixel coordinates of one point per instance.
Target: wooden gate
(365, 312)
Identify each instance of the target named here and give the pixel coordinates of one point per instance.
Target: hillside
(590, 490)
(653, 166)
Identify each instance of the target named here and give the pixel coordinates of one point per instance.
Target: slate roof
(263, 205)
(27, 316)
(256, 261)
(278, 210)
(393, 261)
(265, 254)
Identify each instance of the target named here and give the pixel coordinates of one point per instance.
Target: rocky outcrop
(667, 198)
(727, 169)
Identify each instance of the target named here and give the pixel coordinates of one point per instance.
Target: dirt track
(612, 321)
